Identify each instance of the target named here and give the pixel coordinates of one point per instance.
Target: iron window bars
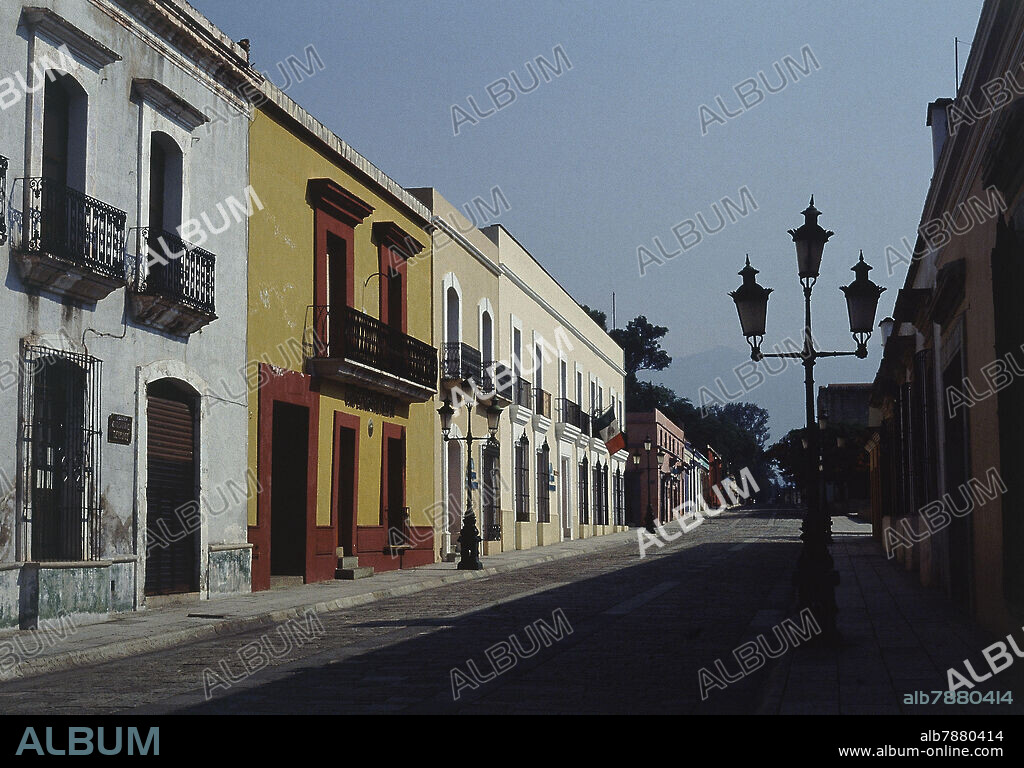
(3, 199)
(61, 432)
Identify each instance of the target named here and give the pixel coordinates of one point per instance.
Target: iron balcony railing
(523, 393)
(543, 403)
(69, 225)
(168, 266)
(497, 377)
(3, 199)
(570, 413)
(343, 332)
(459, 362)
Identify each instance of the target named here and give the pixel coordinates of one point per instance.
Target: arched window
(453, 324)
(487, 337)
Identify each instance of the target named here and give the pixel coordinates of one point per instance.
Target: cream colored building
(466, 328)
(509, 336)
(566, 370)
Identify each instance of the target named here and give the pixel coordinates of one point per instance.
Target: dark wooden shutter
(171, 498)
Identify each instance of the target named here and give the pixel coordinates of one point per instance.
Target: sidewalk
(131, 634)
(898, 637)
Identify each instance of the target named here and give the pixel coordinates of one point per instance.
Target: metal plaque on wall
(119, 429)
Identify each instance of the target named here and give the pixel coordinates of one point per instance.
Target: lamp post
(815, 576)
(649, 519)
(469, 537)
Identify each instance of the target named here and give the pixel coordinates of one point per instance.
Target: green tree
(751, 418)
(599, 317)
(641, 345)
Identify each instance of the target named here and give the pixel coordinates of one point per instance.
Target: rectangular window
(620, 499)
(543, 489)
(584, 506)
(522, 472)
(538, 374)
(490, 491)
(517, 353)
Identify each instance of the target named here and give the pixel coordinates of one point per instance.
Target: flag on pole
(607, 428)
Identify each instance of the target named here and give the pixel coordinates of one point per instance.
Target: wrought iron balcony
(570, 413)
(69, 242)
(172, 283)
(459, 362)
(3, 199)
(523, 393)
(346, 345)
(497, 377)
(543, 403)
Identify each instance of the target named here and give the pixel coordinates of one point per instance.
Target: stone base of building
(230, 569)
(33, 593)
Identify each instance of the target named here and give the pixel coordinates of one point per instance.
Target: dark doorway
(57, 461)
(288, 490)
(173, 515)
(346, 489)
(395, 511)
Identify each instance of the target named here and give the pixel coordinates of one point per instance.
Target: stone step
(349, 574)
(348, 561)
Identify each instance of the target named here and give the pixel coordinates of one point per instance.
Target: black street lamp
(815, 576)
(469, 537)
(649, 519)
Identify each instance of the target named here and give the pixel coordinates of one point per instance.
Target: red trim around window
(337, 212)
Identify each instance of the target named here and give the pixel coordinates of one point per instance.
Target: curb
(128, 648)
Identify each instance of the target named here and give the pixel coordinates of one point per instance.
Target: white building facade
(123, 337)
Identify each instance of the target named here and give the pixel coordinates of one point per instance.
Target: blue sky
(610, 154)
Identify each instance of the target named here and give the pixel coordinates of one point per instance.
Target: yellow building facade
(343, 368)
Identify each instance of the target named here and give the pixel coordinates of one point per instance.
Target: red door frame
(345, 421)
(277, 385)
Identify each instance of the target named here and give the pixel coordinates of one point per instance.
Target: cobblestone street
(641, 631)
